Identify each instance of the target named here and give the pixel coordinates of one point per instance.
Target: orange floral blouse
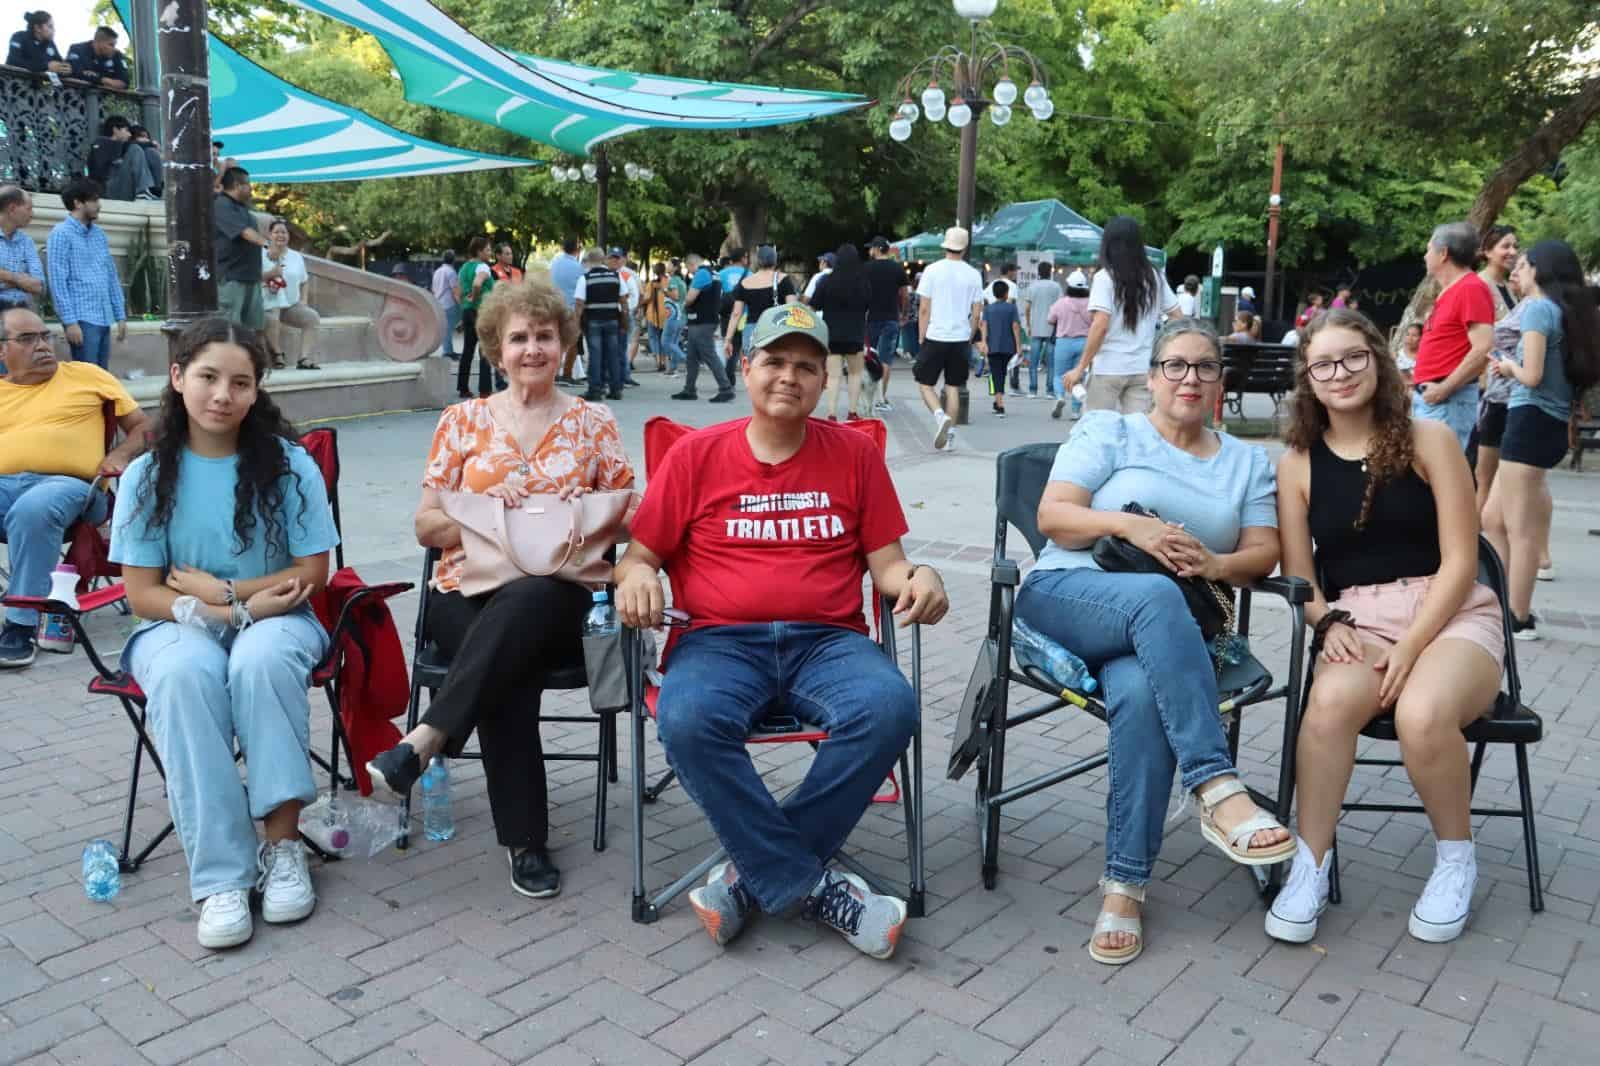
(473, 453)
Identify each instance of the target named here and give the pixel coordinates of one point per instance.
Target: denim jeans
(96, 346)
(671, 341)
(605, 357)
(452, 319)
(1069, 350)
(702, 348)
(1136, 635)
(909, 341)
(202, 697)
(721, 681)
(1042, 354)
(35, 511)
(1459, 410)
(884, 336)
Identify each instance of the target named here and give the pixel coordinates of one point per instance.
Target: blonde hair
(534, 298)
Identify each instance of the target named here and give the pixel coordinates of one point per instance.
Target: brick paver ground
(427, 957)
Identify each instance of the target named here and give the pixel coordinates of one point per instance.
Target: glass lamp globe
(908, 111)
(631, 170)
(900, 129)
(1044, 110)
(933, 99)
(573, 174)
(558, 173)
(646, 174)
(960, 114)
(590, 172)
(1005, 92)
(975, 9)
(936, 114)
(1034, 97)
(999, 114)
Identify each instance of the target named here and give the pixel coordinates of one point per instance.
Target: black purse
(1211, 602)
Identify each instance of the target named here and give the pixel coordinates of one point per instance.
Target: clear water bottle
(1033, 648)
(602, 617)
(102, 876)
(437, 821)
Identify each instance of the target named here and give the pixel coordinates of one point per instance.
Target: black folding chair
(430, 665)
(1020, 478)
(1507, 722)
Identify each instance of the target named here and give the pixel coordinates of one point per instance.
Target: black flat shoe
(396, 770)
(532, 873)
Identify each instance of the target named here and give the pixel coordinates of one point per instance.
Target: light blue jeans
(35, 510)
(1135, 633)
(452, 321)
(1041, 351)
(202, 697)
(1068, 351)
(1459, 411)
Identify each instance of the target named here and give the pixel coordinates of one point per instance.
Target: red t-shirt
(745, 541)
(1444, 338)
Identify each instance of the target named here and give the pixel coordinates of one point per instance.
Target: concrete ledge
(341, 389)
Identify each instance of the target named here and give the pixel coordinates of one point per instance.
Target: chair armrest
(1292, 590)
(39, 603)
(1005, 572)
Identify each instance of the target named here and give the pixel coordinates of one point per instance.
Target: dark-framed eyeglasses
(1354, 362)
(44, 337)
(1209, 371)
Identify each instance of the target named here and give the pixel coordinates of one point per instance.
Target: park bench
(1250, 367)
(1585, 435)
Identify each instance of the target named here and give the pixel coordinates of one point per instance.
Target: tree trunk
(1536, 153)
(747, 225)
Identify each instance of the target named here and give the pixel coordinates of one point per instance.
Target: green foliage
(1574, 212)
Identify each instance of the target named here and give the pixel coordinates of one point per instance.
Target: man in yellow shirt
(52, 447)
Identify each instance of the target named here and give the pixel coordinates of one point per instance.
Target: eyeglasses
(1354, 362)
(33, 340)
(1209, 370)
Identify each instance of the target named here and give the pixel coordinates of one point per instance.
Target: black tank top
(1400, 539)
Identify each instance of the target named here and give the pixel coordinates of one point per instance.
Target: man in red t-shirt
(765, 526)
(1459, 331)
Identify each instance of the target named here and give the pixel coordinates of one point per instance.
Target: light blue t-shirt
(1553, 394)
(731, 275)
(1121, 459)
(199, 532)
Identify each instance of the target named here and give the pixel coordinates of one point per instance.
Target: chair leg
(1334, 895)
(413, 712)
(125, 860)
(653, 793)
(611, 752)
(602, 776)
(1477, 765)
(1530, 839)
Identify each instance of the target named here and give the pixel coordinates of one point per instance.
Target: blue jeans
(452, 319)
(1041, 353)
(96, 346)
(884, 336)
(1136, 634)
(721, 681)
(203, 696)
(605, 357)
(1459, 410)
(671, 341)
(35, 511)
(1068, 351)
(908, 339)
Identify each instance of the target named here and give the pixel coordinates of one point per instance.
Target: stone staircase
(376, 346)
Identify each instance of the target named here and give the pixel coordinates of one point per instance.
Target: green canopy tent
(923, 247)
(1032, 226)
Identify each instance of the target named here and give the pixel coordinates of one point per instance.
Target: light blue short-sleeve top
(1122, 459)
(199, 533)
(1553, 394)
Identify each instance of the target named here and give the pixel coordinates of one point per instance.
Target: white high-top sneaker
(1441, 912)
(1301, 901)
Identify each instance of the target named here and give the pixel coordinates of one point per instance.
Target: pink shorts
(1383, 613)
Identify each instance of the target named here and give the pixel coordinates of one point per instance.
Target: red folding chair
(660, 434)
(322, 445)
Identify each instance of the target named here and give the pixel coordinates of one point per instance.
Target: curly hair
(536, 299)
(1389, 452)
(263, 460)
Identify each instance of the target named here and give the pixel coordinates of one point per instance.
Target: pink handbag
(543, 536)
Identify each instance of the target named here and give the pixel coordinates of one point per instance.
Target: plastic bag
(349, 826)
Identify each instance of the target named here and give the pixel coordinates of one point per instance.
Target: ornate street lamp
(599, 172)
(986, 62)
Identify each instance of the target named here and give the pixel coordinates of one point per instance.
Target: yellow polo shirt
(58, 426)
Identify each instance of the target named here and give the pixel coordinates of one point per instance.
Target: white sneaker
(1441, 911)
(225, 919)
(1546, 573)
(942, 435)
(284, 883)
(1303, 898)
(950, 441)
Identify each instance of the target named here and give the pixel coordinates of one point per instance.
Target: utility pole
(1274, 208)
(186, 155)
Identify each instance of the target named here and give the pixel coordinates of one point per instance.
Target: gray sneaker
(869, 922)
(722, 903)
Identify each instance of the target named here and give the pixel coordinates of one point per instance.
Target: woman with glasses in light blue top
(1218, 520)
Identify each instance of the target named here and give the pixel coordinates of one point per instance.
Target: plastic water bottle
(102, 876)
(1033, 648)
(55, 630)
(602, 617)
(437, 821)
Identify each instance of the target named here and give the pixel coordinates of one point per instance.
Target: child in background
(1406, 357)
(1001, 340)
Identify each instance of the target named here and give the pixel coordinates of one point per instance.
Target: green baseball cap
(785, 319)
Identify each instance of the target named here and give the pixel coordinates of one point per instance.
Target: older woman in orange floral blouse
(528, 438)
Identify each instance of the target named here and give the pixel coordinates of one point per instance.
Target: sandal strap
(1108, 887)
(1256, 823)
(1116, 923)
(1210, 794)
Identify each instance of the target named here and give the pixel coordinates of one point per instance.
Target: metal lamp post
(1274, 208)
(599, 173)
(968, 72)
(186, 152)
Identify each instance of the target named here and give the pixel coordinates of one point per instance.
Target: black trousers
(499, 644)
(469, 347)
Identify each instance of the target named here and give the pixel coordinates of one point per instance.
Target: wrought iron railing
(46, 130)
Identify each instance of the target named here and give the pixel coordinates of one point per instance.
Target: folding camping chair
(644, 689)
(322, 445)
(429, 667)
(1507, 722)
(1020, 478)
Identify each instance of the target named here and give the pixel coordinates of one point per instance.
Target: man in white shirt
(824, 268)
(1189, 296)
(951, 301)
(1037, 300)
